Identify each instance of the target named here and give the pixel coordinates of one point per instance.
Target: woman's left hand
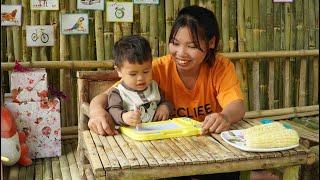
(215, 123)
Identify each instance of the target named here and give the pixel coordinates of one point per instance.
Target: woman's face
(185, 53)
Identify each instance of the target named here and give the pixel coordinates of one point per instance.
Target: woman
(200, 83)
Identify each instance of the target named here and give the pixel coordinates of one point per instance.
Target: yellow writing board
(176, 127)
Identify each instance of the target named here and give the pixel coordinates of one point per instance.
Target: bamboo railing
(277, 44)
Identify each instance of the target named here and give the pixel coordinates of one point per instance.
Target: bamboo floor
(63, 167)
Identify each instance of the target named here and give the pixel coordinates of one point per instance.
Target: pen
(138, 126)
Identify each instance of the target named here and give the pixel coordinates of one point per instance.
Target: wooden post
(248, 47)
(241, 65)
(225, 22)
(270, 47)
(256, 64)
(154, 35)
(26, 21)
(161, 27)
(287, 66)
(169, 19)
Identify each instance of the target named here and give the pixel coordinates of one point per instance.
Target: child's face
(136, 76)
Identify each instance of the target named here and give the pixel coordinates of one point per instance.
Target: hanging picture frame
(119, 11)
(44, 4)
(145, 1)
(37, 36)
(90, 4)
(10, 15)
(74, 23)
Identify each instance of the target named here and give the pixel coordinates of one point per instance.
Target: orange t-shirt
(215, 87)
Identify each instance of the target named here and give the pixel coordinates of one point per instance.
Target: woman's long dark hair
(202, 24)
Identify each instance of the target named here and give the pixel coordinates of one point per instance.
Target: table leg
(291, 173)
(245, 175)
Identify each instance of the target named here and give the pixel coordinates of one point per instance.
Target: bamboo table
(119, 157)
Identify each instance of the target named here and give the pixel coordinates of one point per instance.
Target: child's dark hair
(133, 48)
(202, 23)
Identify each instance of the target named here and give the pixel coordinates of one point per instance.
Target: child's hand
(162, 113)
(132, 118)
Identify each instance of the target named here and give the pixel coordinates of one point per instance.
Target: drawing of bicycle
(44, 37)
(119, 12)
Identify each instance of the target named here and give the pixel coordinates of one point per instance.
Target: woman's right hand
(102, 124)
(100, 120)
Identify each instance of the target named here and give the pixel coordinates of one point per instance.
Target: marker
(138, 126)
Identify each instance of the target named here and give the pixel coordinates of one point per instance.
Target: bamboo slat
(22, 173)
(56, 172)
(102, 154)
(74, 172)
(123, 161)
(233, 24)
(35, 53)
(255, 64)
(315, 83)
(43, 21)
(38, 169)
(169, 15)
(154, 34)
(64, 166)
(93, 155)
(195, 144)
(16, 33)
(108, 150)
(98, 24)
(179, 144)
(163, 152)
(134, 163)
(153, 151)
(178, 151)
(136, 152)
(14, 173)
(161, 28)
(191, 149)
(47, 169)
(26, 21)
(168, 149)
(30, 172)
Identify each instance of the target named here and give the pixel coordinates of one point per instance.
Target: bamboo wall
(246, 26)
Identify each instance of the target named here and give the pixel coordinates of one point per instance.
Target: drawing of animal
(9, 16)
(45, 3)
(78, 25)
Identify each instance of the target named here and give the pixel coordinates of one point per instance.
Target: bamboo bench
(122, 158)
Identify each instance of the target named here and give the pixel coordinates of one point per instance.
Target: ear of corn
(272, 135)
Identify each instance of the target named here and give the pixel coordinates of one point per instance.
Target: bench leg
(291, 173)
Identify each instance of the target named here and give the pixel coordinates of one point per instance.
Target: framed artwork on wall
(74, 23)
(44, 4)
(90, 4)
(10, 15)
(39, 36)
(119, 11)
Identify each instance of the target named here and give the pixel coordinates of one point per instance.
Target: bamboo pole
(210, 4)
(35, 51)
(84, 51)
(270, 47)
(314, 73)
(316, 9)
(282, 111)
(218, 9)
(248, 47)
(74, 40)
(14, 172)
(16, 32)
(63, 58)
(26, 54)
(277, 46)
(91, 38)
(108, 36)
(161, 27)
(55, 55)
(242, 63)
(255, 64)
(144, 21)
(176, 8)
(77, 64)
(38, 169)
(154, 34)
(263, 70)
(117, 31)
(43, 21)
(136, 17)
(225, 21)
(233, 25)
(169, 19)
(98, 25)
(306, 34)
(287, 65)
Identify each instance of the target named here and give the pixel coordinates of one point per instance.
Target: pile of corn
(272, 135)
